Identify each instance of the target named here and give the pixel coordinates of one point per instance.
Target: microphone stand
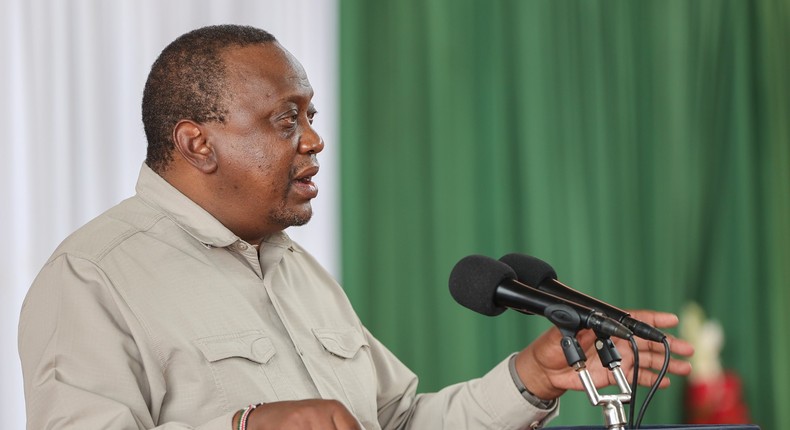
(612, 404)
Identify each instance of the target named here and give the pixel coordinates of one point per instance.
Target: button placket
(248, 253)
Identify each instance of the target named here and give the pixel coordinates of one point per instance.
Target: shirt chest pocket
(346, 359)
(242, 366)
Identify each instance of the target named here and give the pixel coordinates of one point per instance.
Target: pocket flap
(253, 346)
(343, 342)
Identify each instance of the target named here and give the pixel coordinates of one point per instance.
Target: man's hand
(312, 414)
(545, 373)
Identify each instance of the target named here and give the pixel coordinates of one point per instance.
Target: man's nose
(310, 142)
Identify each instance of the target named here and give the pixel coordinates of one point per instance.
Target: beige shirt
(154, 315)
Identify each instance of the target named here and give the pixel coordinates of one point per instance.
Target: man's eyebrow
(297, 99)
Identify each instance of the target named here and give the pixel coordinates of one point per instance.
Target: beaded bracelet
(246, 416)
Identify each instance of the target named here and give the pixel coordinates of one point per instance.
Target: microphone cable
(634, 383)
(654, 388)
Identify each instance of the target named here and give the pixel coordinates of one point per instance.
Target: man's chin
(293, 218)
(301, 221)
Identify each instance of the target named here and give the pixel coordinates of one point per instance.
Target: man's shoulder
(112, 228)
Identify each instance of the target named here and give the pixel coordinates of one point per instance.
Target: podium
(672, 427)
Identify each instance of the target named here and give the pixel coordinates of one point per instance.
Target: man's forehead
(266, 70)
(269, 61)
(265, 56)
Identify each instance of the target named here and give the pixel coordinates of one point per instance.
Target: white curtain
(71, 83)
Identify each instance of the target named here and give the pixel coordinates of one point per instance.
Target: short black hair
(187, 81)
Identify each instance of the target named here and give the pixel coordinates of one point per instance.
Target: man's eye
(311, 116)
(290, 119)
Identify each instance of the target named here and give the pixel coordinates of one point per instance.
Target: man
(187, 302)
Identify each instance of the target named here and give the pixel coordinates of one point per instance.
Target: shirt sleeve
(490, 402)
(82, 368)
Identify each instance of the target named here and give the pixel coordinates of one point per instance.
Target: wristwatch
(531, 398)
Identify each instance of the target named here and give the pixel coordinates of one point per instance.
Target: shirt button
(241, 246)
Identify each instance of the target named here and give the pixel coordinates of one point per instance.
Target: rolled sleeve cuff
(508, 406)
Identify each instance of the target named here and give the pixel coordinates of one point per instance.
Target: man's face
(266, 149)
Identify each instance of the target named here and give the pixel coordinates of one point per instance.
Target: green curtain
(642, 148)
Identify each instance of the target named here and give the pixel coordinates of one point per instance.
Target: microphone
(539, 274)
(489, 287)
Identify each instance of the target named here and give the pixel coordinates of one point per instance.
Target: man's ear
(193, 146)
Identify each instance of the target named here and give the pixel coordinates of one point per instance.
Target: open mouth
(305, 176)
(304, 182)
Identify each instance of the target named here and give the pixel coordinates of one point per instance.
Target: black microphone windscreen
(530, 270)
(474, 281)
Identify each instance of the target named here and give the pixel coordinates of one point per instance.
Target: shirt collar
(187, 214)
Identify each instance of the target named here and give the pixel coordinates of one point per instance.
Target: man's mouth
(306, 174)
(304, 182)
